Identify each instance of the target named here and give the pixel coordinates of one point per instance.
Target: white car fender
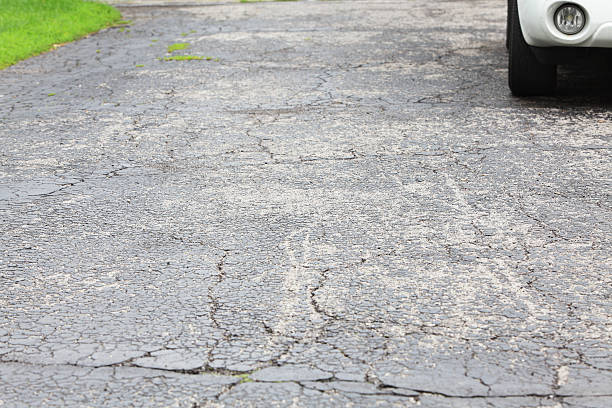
(537, 23)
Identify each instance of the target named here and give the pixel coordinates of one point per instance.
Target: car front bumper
(539, 30)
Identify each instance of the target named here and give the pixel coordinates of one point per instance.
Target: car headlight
(569, 19)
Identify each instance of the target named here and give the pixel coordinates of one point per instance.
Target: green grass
(177, 46)
(29, 27)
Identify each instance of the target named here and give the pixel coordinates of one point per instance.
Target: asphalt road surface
(342, 206)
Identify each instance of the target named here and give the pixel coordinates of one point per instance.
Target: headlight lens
(569, 19)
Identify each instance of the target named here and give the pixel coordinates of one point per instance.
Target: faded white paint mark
(562, 375)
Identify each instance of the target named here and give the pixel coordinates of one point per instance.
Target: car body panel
(539, 30)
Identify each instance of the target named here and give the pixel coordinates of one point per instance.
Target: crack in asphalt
(214, 302)
(242, 375)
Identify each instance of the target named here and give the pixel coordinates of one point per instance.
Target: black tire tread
(526, 75)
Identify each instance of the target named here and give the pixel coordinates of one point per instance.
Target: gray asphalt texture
(347, 208)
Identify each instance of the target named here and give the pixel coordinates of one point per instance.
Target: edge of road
(198, 3)
(171, 5)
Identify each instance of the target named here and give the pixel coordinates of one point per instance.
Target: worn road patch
(339, 204)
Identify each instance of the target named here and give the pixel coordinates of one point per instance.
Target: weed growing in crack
(189, 58)
(183, 58)
(244, 378)
(260, 1)
(182, 46)
(177, 46)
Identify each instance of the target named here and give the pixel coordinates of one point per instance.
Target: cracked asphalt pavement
(347, 208)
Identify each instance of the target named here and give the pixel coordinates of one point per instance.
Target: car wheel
(508, 14)
(526, 75)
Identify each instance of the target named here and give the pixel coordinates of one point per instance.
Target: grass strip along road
(29, 27)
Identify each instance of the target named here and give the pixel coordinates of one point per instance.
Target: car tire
(526, 75)
(508, 14)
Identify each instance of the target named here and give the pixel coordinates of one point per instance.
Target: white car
(542, 34)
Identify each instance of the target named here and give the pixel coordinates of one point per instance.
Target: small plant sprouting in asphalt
(51, 94)
(261, 1)
(182, 46)
(183, 58)
(189, 58)
(244, 378)
(177, 46)
(139, 65)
